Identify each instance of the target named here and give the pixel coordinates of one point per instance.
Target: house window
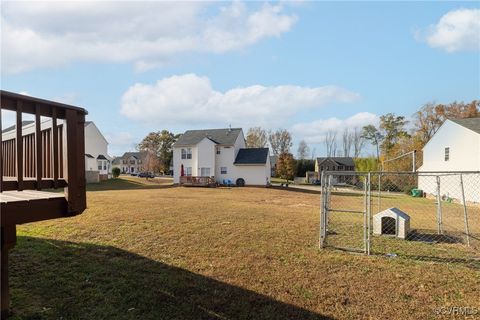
(132, 161)
(218, 150)
(100, 167)
(187, 153)
(188, 171)
(223, 170)
(205, 172)
(447, 153)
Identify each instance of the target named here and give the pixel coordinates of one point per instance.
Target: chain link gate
(432, 216)
(345, 225)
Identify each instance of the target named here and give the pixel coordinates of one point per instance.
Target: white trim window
(223, 170)
(205, 172)
(187, 153)
(188, 171)
(447, 153)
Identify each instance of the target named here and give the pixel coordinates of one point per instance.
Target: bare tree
(303, 150)
(152, 162)
(280, 141)
(358, 142)
(256, 138)
(330, 141)
(347, 141)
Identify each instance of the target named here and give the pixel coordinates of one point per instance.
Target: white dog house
(392, 221)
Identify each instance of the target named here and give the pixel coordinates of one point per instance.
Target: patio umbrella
(182, 172)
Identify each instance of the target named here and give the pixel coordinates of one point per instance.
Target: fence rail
(423, 215)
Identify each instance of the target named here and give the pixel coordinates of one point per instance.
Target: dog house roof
(393, 213)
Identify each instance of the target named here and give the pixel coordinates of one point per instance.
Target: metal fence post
(379, 192)
(465, 217)
(365, 209)
(369, 213)
(322, 211)
(439, 207)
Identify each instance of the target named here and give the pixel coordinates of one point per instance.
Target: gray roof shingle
(11, 128)
(469, 123)
(251, 156)
(344, 161)
(219, 136)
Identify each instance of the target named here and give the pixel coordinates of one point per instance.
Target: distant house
(97, 160)
(454, 147)
(334, 164)
(221, 155)
(96, 151)
(130, 162)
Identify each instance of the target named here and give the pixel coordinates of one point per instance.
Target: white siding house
(96, 151)
(130, 162)
(454, 147)
(222, 154)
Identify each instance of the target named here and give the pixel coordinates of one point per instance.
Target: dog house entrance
(389, 225)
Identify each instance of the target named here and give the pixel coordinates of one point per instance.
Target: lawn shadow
(129, 184)
(293, 189)
(432, 236)
(64, 280)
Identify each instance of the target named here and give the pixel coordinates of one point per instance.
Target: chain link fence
(431, 216)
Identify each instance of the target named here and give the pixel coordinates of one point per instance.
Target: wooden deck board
(27, 195)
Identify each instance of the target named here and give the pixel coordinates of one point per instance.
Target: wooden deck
(29, 206)
(192, 181)
(28, 195)
(46, 155)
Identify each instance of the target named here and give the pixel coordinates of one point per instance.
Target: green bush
(116, 172)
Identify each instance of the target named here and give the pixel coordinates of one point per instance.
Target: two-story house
(96, 151)
(334, 164)
(455, 146)
(222, 155)
(130, 162)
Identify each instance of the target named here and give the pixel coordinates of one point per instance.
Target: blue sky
(308, 67)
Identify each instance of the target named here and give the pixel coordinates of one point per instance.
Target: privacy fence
(431, 216)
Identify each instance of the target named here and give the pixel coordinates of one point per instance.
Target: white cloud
(457, 30)
(149, 34)
(121, 142)
(190, 100)
(315, 131)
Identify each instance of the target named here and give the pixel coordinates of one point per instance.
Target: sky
(308, 67)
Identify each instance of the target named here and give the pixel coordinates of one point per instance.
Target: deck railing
(197, 181)
(49, 154)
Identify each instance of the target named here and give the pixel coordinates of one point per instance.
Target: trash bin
(417, 193)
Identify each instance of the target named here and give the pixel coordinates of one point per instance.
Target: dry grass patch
(155, 252)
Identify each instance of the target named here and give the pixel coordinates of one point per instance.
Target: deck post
(8, 239)
(75, 191)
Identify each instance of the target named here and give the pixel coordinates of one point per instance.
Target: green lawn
(147, 250)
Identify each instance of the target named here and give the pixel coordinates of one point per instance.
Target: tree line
(395, 135)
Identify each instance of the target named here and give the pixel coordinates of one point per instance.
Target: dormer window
(447, 153)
